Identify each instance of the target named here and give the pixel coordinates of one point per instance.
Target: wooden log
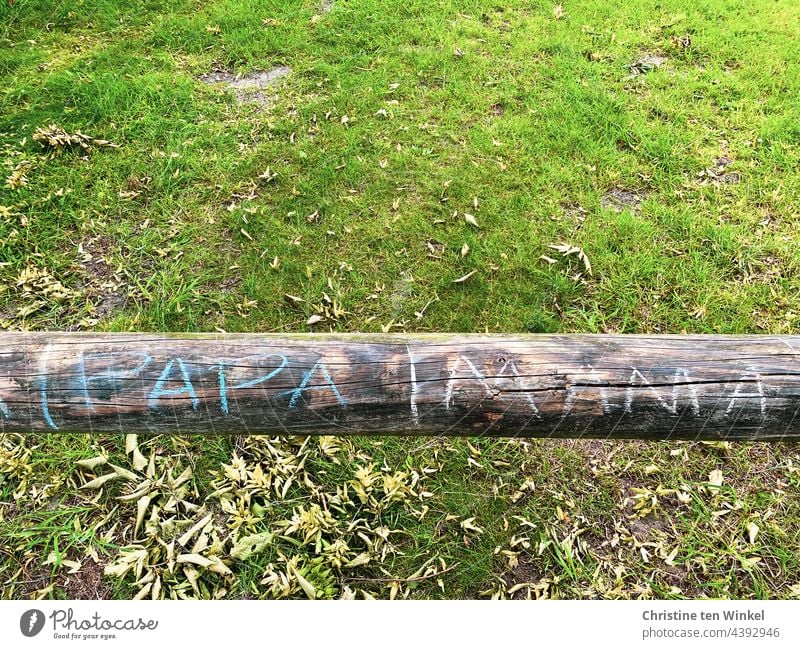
(652, 387)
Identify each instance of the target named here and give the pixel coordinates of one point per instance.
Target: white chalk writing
(739, 393)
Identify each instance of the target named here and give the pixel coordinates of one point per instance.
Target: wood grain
(653, 387)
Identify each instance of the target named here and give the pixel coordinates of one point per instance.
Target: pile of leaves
(267, 509)
(15, 466)
(177, 517)
(55, 137)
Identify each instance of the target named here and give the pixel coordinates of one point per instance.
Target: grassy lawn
(295, 165)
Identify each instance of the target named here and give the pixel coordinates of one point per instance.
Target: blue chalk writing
(45, 410)
(298, 391)
(223, 394)
(4, 410)
(223, 386)
(42, 380)
(159, 391)
(109, 374)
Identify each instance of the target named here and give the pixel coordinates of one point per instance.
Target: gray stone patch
(618, 199)
(248, 88)
(326, 6)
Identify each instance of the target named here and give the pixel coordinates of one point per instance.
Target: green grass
(349, 188)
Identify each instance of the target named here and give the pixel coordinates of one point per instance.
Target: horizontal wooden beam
(606, 386)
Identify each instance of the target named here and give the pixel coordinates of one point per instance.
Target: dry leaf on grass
(567, 249)
(471, 220)
(464, 278)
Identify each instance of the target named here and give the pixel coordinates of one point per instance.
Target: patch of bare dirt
(619, 199)
(643, 528)
(684, 579)
(249, 88)
(717, 174)
(135, 186)
(681, 578)
(29, 583)
(104, 284)
(109, 304)
(525, 572)
(230, 284)
(86, 583)
(574, 211)
(647, 64)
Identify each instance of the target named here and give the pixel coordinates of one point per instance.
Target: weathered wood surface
(653, 387)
